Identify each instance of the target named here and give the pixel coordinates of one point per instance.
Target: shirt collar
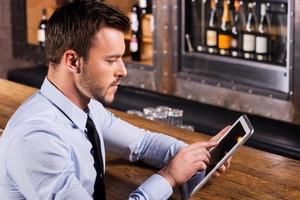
(65, 105)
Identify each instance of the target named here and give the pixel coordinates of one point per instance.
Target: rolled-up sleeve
(156, 187)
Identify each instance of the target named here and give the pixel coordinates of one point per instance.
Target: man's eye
(111, 61)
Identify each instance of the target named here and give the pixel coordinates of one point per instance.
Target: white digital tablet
(238, 134)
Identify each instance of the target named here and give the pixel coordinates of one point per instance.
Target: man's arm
(180, 161)
(158, 150)
(41, 166)
(133, 143)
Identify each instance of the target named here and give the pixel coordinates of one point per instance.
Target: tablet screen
(225, 145)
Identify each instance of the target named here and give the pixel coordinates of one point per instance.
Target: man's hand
(226, 165)
(223, 168)
(220, 134)
(187, 162)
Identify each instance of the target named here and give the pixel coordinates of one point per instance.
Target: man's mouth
(116, 83)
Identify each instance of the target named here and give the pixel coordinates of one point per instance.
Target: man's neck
(65, 83)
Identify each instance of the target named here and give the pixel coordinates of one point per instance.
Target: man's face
(104, 67)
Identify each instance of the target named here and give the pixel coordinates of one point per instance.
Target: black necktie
(99, 187)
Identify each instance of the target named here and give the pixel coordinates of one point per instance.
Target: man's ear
(72, 61)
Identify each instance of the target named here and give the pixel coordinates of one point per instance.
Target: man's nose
(122, 71)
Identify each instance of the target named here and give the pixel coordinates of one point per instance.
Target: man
(53, 146)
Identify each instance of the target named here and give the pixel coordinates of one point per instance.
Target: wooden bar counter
(253, 174)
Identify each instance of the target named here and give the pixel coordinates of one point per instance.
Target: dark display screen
(225, 145)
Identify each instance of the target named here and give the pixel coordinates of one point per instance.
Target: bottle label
(134, 22)
(223, 52)
(247, 55)
(200, 48)
(151, 23)
(143, 3)
(134, 46)
(211, 38)
(224, 41)
(260, 57)
(248, 42)
(41, 36)
(261, 44)
(211, 50)
(234, 43)
(234, 53)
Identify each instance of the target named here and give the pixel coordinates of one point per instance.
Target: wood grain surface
(253, 174)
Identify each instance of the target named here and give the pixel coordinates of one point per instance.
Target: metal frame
(274, 79)
(217, 91)
(296, 67)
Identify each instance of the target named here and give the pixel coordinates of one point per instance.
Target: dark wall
(7, 60)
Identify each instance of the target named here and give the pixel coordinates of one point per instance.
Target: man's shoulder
(35, 111)
(34, 119)
(36, 129)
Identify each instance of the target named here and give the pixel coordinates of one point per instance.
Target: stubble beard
(92, 88)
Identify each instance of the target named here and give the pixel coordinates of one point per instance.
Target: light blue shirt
(45, 154)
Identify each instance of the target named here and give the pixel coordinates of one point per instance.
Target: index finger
(206, 145)
(220, 134)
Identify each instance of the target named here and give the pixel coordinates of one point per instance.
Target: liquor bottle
(242, 14)
(136, 33)
(196, 38)
(189, 43)
(41, 33)
(149, 7)
(237, 27)
(224, 36)
(249, 33)
(262, 43)
(279, 33)
(147, 23)
(150, 13)
(212, 29)
(145, 6)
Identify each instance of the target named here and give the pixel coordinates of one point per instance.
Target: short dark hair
(74, 25)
